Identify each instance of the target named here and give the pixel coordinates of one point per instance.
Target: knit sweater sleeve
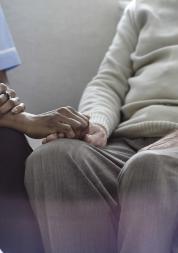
(104, 95)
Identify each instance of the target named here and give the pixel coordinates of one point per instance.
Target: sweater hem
(146, 129)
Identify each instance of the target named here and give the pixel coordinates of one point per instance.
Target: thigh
(71, 160)
(19, 232)
(14, 150)
(73, 187)
(76, 166)
(148, 195)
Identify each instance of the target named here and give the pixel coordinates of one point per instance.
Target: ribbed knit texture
(135, 92)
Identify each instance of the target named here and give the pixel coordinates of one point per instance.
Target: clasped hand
(9, 101)
(93, 134)
(64, 122)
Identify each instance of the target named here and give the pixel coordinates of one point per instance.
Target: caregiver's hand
(9, 101)
(59, 121)
(78, 123)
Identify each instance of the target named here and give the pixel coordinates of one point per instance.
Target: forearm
(20, 122)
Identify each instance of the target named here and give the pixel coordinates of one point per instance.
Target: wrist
(103, 121)
(102, 127)
(21, 122)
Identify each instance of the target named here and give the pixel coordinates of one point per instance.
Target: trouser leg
(19, 232)
(148, 194)
(175, 242)
(73, 190)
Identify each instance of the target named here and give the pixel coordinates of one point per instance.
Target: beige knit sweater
(135, 92)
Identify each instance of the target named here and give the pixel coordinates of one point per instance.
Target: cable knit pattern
(135, 92)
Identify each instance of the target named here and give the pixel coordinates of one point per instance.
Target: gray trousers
(105, 200)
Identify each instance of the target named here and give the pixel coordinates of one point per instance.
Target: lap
(77, 162)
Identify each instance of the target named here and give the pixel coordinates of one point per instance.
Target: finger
(82, 121)
(3, 87)
(72, 113)
(75, 112)
(11, 92)
(50, 138)
(65, 128)
(72, 122)
(3, 98)
(87, 116)
(70, 134)
(80, 134)
(18, 109)
(7, 106)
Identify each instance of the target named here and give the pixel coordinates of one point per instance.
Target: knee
(58, 151)
(143, 170)
(57, 157)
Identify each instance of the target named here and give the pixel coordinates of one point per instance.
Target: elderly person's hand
(9, 101)
(96, 135)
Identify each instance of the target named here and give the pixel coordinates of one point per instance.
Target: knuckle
(17, 100)
(69, 108)
(11, 103)
(62, 110)
(12, 93)
(23, 106)
(3, 87)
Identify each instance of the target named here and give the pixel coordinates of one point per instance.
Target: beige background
(61, 44)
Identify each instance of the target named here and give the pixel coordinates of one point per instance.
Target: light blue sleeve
(9, 57)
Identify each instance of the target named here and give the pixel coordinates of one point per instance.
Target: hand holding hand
(93, 134)
(64, 122)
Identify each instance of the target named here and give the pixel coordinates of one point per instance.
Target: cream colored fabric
(135, 90)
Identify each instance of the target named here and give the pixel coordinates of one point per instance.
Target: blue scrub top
(9, 57)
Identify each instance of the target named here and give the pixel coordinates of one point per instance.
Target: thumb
(89, 138)
(95, 139)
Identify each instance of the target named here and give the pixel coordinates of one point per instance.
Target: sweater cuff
(98, 118)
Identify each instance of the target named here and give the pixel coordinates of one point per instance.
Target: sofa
(61, 44)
